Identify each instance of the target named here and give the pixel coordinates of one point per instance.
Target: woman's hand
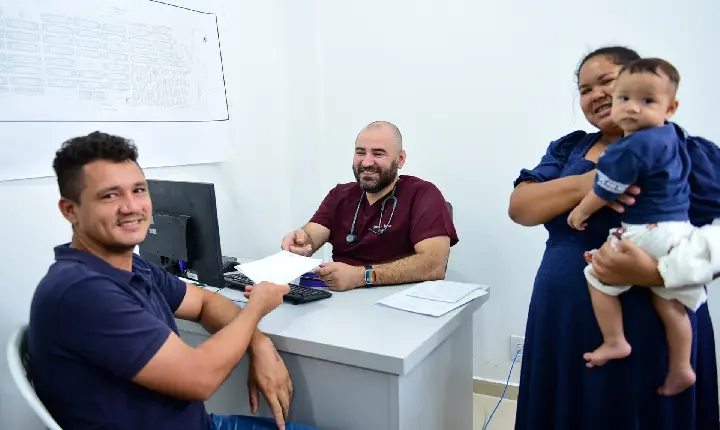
(627, 199)
(626, 264)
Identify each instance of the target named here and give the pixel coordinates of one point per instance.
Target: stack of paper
(434, 298)
(280, 268)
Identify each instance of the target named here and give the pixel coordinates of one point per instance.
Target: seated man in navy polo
(103, 343)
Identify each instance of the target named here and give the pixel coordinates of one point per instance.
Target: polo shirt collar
(66, 253)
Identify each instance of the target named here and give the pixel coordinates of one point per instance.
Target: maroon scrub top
(421, 213)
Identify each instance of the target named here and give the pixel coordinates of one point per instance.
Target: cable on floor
(517, 353)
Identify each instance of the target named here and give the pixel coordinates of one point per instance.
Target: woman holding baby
(557, 390)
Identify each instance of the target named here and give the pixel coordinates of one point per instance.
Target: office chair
(18, 359)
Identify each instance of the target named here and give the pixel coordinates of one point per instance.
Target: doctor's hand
(341, 276)
(297, 242)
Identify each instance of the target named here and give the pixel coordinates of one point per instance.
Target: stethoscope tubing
(351, 238)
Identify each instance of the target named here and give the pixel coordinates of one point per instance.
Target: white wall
(477, 88)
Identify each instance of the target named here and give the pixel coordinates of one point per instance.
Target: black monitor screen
(184, 237)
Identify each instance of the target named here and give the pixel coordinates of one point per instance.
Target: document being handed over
(280, 268)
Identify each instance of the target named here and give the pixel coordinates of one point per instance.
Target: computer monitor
(184, 237)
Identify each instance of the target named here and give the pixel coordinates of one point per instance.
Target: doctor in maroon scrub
(384, 228)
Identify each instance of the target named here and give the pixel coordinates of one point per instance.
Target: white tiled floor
(504, 418)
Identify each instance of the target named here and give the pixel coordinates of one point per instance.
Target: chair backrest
(449, 205)
(17, 357)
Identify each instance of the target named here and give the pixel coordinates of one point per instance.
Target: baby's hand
(577, 218)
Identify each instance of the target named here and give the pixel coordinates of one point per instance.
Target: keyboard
(237, 281)
(299, 294)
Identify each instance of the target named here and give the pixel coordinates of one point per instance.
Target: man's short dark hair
(75, 153)
(654, 66)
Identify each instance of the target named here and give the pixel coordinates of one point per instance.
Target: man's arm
(432, 231)
(267, 374)
(427, 264)
(212, 311)
(311, 237)
(318, 228)
(181, 371)
(96, 319)
(318, 235)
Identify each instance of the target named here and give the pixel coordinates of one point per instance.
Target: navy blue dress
(557, 391)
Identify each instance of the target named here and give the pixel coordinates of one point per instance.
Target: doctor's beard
(378, 183)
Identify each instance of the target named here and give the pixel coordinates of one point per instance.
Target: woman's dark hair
(79, 151)
(619, 55)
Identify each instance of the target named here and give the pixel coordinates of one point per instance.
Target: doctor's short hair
(75, 153)
(654, 66)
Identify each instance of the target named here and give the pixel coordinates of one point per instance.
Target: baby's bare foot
(677, 381)
(606, 352)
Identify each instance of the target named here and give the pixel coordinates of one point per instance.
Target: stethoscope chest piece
(352, 238)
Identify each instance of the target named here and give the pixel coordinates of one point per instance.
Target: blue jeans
(241, 422)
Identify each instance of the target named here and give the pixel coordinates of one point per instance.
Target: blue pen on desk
(182, 266)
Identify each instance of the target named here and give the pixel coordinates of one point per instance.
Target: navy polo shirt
(92, 329)
(657, 161)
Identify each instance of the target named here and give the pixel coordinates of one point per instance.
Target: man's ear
(68, 209)
(401, 159)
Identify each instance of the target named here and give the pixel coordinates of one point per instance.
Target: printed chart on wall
(80, 60)
(142, 69)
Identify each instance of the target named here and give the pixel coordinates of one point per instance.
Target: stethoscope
(379, 229)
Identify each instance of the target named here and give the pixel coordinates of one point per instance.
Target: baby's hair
(653, 65)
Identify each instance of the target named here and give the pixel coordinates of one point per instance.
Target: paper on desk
(405, 302)
(279, 268)
(441, 291)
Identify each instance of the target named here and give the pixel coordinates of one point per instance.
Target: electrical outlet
(516, 344)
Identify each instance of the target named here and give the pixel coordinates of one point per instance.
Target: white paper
(441, 291)
(280, 268)
(109, 60)
(407, 303)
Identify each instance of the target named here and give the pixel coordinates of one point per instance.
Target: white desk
(357, 365)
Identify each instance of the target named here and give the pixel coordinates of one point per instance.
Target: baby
(653, 156)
